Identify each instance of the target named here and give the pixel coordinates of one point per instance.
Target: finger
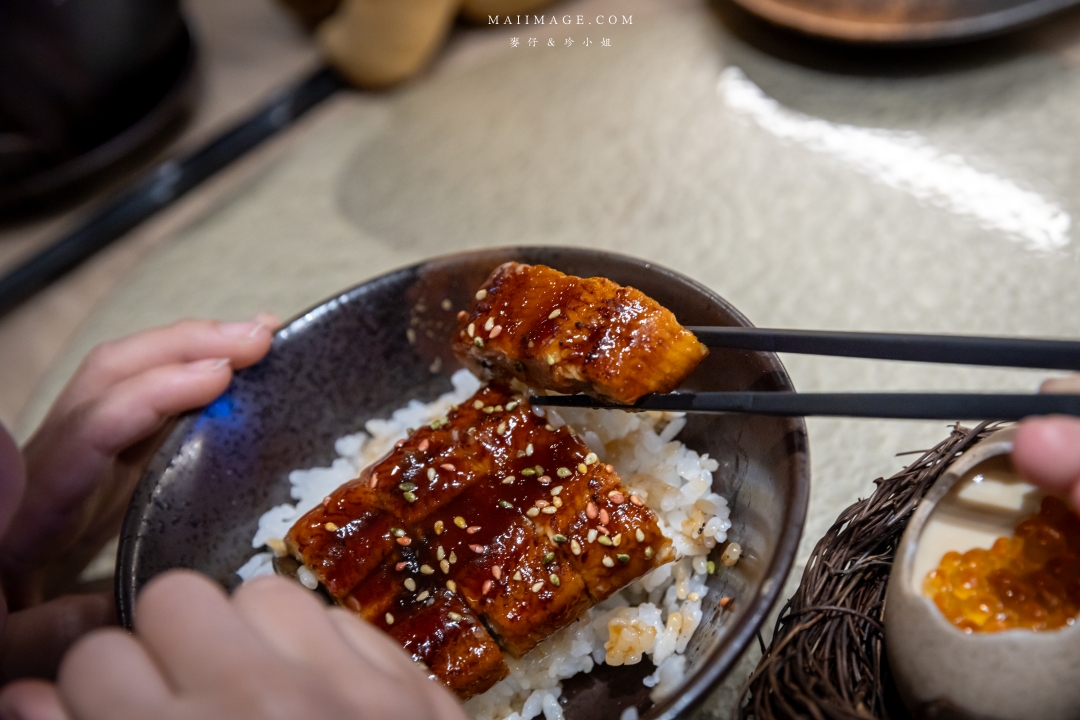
(12, 478)
(296, 624)
(1046, 453)
(109, 675)
(1064, 385)
(195, 635)
(32, 700)
(243, 344)
(36, 639)
(380, 649)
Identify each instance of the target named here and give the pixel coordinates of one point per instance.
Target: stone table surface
(813, 186)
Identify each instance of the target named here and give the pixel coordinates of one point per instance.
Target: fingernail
(208, 365)
(241, 329)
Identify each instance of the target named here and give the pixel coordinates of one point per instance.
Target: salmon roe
(1029, 581)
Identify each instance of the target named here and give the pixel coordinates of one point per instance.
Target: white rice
(655, 616)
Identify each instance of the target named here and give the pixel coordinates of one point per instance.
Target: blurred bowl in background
(85, 85)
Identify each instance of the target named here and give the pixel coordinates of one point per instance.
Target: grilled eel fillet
(479, 535)
(571, 334)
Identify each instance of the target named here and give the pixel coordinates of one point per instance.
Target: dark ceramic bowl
(349, 360)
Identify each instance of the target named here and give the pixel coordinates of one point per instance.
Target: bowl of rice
(347, 379)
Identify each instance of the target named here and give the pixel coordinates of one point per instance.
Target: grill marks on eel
(555, 331)
(496, 534)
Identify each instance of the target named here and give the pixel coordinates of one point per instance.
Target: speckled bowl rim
(713, 668)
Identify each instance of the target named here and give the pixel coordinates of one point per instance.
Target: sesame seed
(549, 557)
(444, 565)
(486, 588)
(478, 549)
(582, 468)
(461, 314)
(554, 314)
(617, 540)
(438, 527)
(460, 522)
(575, 547)
(410, 334)
(423, 596)
(331, 527)
(471, 329)
(478, 342)
(407, 487)
(508, 480)
(478, 404)
(563, 472)
(556, 490)
(590, 510)
(489, 324)
(427, 570)
(636, 500)
(551, 359)
(410, 584)
(501, 430)
(608, 562)
(496, 571)
(446, 304)
(488, 409)
(533, 511)
(528, 472)
(454, 617)
(517, 576)
(555, 580)
(559, 538)
(397, 468)
(471, 431)
(448, 467)
(472, 529)
(410, 497)
(649, 553)
(389, 619)
(591, 458)
(544, 480)
(725, 601)
(605, 518)
(640, 535)
(549, 427)
(536, 588)
(440, 553)
(539, 469)
(617, 497)
(401, 566)
(424, 444)
(495, 332)
(277, 545)
(404, 541)
(431, 473)
(556, 501)
(481, 294)
(591, 537)
(542, 503)
(397, 532)
(372, 484)
(623, 558)
(453, 557)
(606, 541)
(529, 450)
(451, 586)
(512, 405)
(498, 408)
(550, 510)
(505, 504)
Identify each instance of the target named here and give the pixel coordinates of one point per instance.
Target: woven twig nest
(826, 657)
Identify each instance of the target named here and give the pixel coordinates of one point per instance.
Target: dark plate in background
(904, 21)
(349, 360)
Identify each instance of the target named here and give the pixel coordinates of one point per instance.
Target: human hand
(1046, 450)
(77, 481)
(270, 652)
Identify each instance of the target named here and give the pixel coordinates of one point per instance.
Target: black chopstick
(951, 349)
(907, 406)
